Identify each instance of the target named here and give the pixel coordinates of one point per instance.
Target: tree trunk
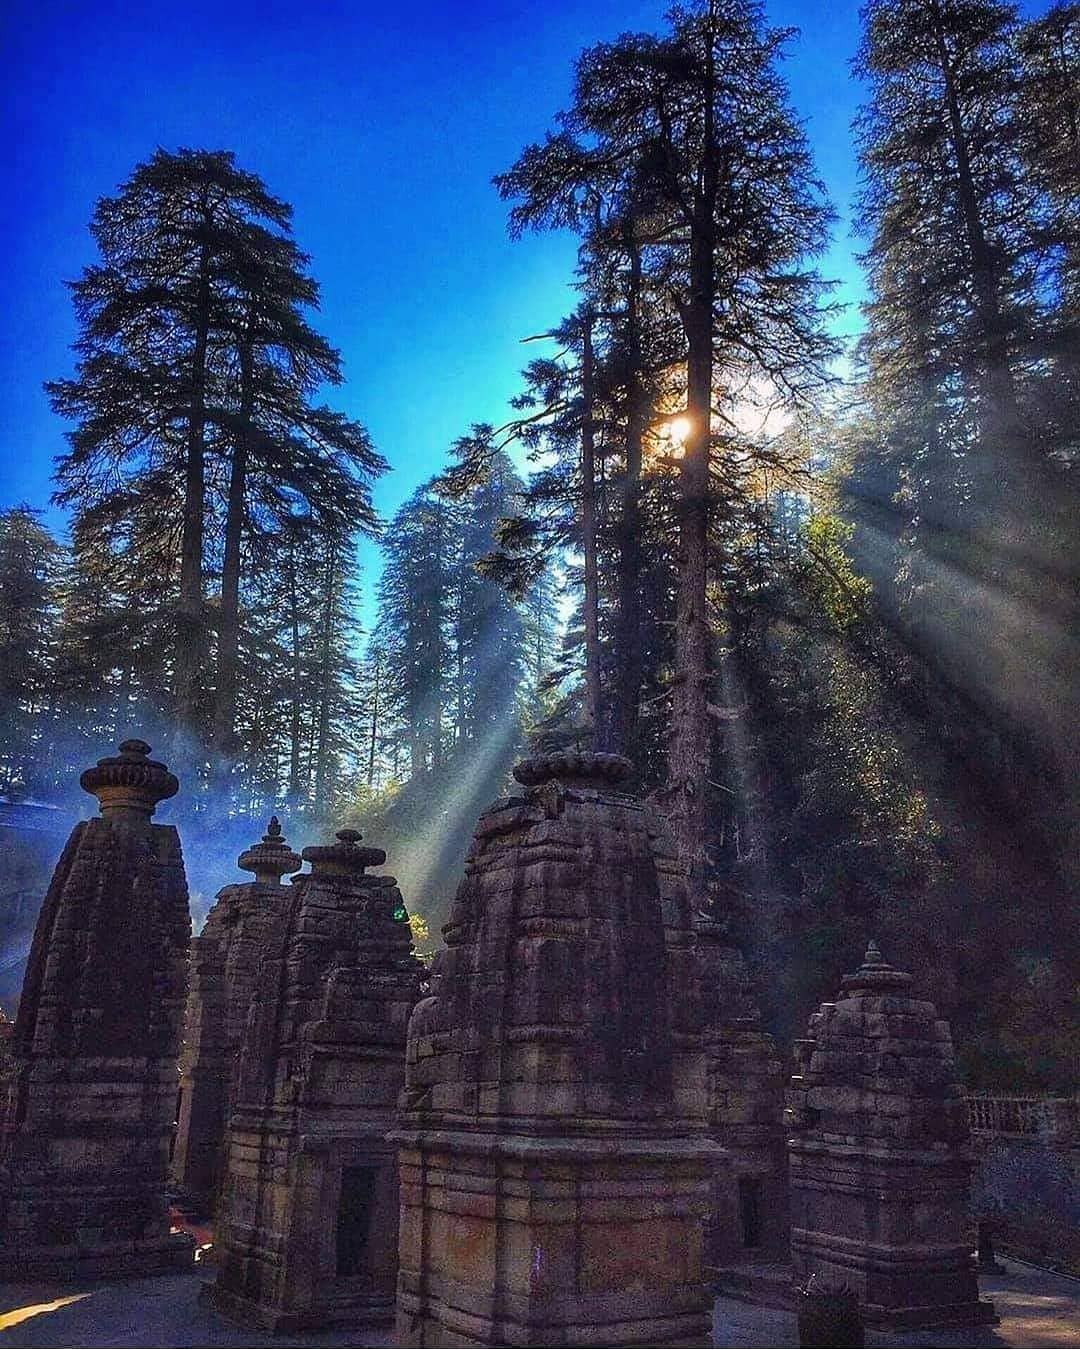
(688, 754)
(437, 691)
(628, 623)
(123, 701)
(190, 627)
(374, 724)
(295, 718)
(322, 752)
(229, 629)
(462, 728)
(538, 651)
(588, 535)
(1004, 423)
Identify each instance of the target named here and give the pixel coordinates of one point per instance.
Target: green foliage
(30, 572)
(450, 673)
(828, 576)
(206, 483)
(887, 728)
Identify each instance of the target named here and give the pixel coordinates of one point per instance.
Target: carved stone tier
(308, 1217)
(271, 858)
(555, 1159)
(600, 770)
(83, 1171)
(226, 972)
(880, 1167)
(129, 783)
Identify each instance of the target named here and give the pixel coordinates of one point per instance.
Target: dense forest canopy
(825, 598)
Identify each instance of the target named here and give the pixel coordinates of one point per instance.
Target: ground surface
(1036, 1310)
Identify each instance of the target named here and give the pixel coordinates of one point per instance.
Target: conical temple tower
(880, 1167)
(307, 1224)
(82, 1182)
(226, 971)
(555, 1160)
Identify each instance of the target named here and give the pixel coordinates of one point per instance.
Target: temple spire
(84, 1156)
(271, 858)
(129, 785)
(345, 858)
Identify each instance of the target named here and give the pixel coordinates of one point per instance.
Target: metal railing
(1014, 1117)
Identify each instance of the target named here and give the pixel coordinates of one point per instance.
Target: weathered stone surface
(880, 1167)
(555, 1151)
(308, 1218)
(745, 1102)
(83, 1172)
(225, 974)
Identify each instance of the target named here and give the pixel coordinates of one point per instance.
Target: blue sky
(383, 125)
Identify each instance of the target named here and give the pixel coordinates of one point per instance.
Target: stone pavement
(163, 1310)
(1036, 1310)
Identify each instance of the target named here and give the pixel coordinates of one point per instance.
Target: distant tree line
(209, 594)
(215, 506)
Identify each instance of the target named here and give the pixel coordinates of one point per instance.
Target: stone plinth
(555, 1162)
(880, 1167)
(307, 1225)
(85, 1155)
(226, 971)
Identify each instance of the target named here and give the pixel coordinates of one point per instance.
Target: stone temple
(555, 1155)
(226, 973)
(879, 1157)
(745, 1082)
(572, 1130)
(307, 1225)
(90, 1115)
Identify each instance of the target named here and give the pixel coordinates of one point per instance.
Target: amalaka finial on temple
(592, 769)
(345, 858)
(128, 784)
(271, 858)
(876, 973)
(134, 748)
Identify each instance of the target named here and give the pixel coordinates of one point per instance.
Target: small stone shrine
(746, 1111)
(85, 1155)
(879, 1159)
(555, 1159)
(226, 970)
(307, 1224)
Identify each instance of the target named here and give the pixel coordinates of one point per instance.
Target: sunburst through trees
(828, 608)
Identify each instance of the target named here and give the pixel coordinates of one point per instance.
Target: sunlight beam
(23, 1314)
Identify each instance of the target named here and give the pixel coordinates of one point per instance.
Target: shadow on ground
(1037, 1309)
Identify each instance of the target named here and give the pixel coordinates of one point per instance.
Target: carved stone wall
(555, 1159)
(880, 1165)
(307, 1226)
(745, 1083)
(746, 1112)
(87, 1131)
(226, 971)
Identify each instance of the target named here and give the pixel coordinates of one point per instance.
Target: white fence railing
(1013, 1117)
